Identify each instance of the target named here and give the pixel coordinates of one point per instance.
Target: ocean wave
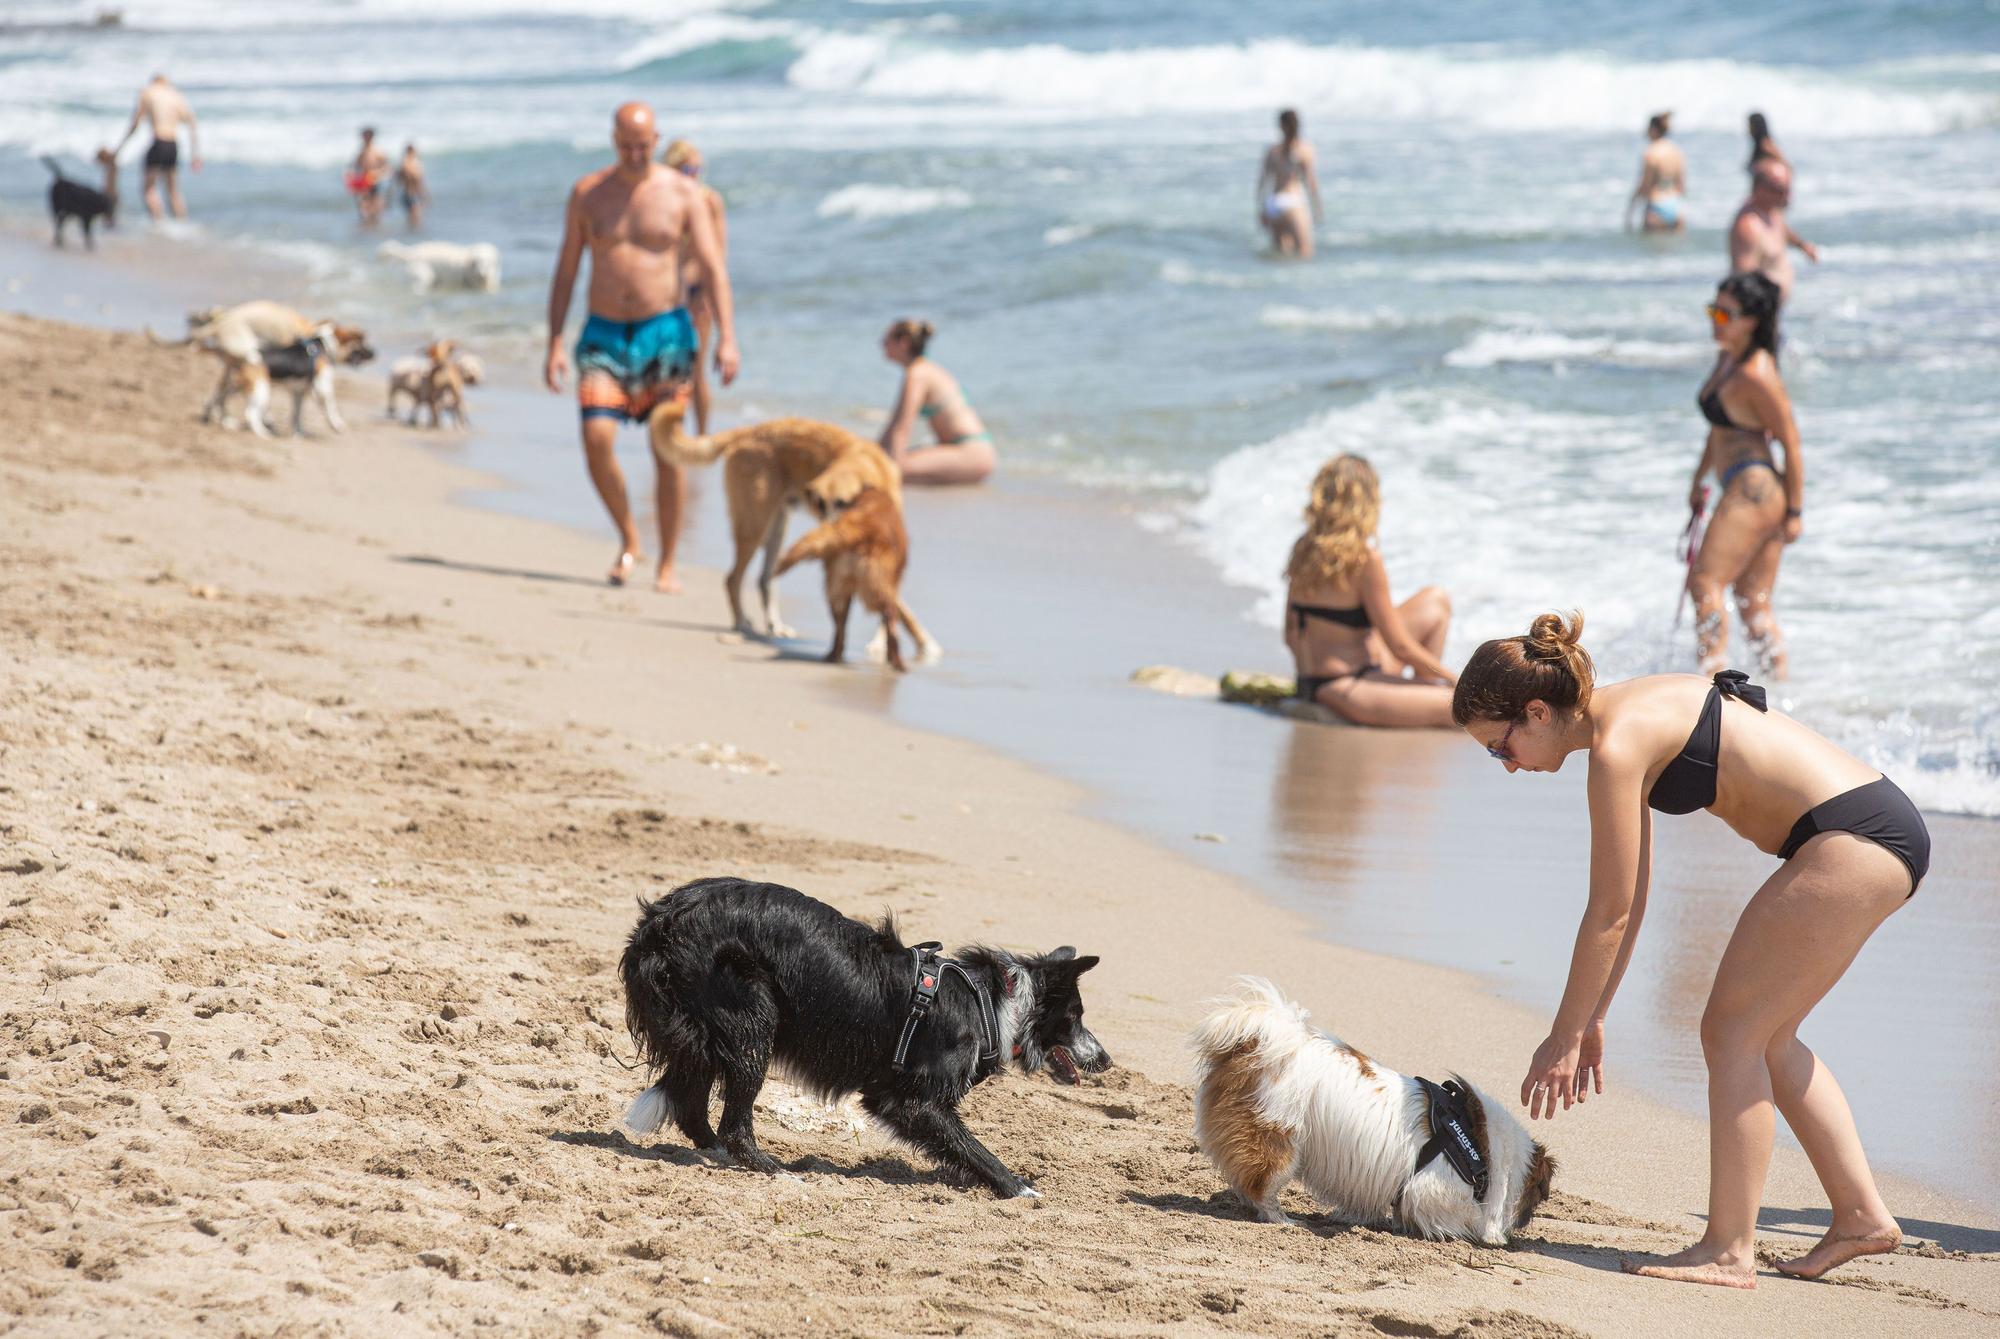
(1282, 317)
(1495, 348)
(864, 201)
(1576, 90)
(1063, 234)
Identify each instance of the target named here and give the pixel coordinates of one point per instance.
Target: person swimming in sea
(1760, 510)
(964, 452)
(1852, 850)
(1287, 178)
(1662, 184)
(1350, 644)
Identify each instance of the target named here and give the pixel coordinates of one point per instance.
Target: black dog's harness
(931, 967)
(295, 362)
(1449, 1117)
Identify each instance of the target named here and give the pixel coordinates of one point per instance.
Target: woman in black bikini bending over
(1854, 849)
(1759, 512)
(1349, 643)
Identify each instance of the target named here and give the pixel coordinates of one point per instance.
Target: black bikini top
(1688, 782)
(1712, 410)
(1357, 617)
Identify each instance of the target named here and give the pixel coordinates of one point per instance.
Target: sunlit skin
(1760, 512)
(636, 216)
(1792, 943)
(1662, 174)
(953, 460)
(1761, 238)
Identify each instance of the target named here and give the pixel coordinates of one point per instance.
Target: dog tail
(165, 343)
(833, 536)
(677, 446)
(648, 1112)
(53, 166)
(1257, 1017)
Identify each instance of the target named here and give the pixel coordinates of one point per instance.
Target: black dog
(725, 977)
(74, 200)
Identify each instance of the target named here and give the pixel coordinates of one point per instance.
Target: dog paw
(781, 630)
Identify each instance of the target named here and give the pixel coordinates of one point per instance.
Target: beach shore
(326, 805)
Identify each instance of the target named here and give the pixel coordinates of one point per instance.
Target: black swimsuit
(1879, 811)
(1357, 617)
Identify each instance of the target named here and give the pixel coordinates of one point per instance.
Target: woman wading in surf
(1853, 849)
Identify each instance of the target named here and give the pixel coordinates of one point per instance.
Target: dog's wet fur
(726, 978)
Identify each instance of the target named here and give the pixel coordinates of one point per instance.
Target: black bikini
(1357, 617)
(1713, 410)
(1878, 812)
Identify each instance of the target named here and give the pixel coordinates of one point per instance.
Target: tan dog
(242, 336)
(303, 367)
(412, 377)
(766, 468)
(866, 550)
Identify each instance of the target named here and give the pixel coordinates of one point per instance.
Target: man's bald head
(635, 135)
(1772, 180)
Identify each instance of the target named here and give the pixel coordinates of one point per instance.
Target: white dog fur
(447, 264)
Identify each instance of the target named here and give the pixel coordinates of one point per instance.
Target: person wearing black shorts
(165, 111)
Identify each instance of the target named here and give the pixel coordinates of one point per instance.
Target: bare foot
(1697, 1264)
(622, 568)
(664, 580)
(1837, 1249)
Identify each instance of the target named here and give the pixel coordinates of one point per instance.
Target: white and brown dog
(425, 376)
(1278, 1101)
(256, 340)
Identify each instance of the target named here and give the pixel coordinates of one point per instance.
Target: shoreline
(1385, 841)
(396, 725)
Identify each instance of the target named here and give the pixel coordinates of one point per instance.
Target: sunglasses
(1498, 749)
(690, 169)
(1722, 316)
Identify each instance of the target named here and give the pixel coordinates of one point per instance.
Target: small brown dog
(769, 467)
(865, 549)
(444, 384)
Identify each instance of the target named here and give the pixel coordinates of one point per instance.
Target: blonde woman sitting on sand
(964, 451)
(1349, 643)
(1853, 849)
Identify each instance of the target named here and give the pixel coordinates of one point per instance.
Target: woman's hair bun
(1553, 638)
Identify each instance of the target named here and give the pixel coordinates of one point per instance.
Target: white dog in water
(1279, 1101)
(447, 264)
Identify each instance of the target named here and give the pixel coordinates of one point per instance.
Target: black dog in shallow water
(725, 978)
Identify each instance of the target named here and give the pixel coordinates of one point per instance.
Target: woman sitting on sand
(1349, 643)
(1760, 510)
(964, 451)
(1854, 849)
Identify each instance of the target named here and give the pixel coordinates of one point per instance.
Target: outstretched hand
(556, 370)
(1551, 1074)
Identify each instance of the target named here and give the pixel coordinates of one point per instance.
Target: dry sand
(323, 806)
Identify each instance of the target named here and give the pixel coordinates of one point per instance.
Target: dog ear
(1063, 954)
(1085, 963)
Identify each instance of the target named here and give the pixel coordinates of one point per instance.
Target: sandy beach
(324, 805)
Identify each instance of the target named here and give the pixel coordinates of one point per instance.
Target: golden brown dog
(865, 549)
(766, 468)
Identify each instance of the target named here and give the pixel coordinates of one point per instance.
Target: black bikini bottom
(1878, 812)
(1310, 684)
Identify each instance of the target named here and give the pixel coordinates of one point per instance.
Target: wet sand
(326, 805)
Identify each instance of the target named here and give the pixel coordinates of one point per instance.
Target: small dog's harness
(931, 967)
(1449, 1117)
(295, 362)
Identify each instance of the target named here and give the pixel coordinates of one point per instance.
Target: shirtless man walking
(1761, 238)
(163, 108)
(638, 349)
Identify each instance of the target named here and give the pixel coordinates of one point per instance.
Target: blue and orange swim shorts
(627, 369)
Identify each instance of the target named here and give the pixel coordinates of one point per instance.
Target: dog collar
(1449, 1117)
(931, 966)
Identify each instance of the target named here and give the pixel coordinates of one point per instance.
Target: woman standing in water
(1662, 180)
(1289, 175)
(1349, 643)
(964, 451)
(1761, 507)
(684, 158)
(1853, 849)
(1763, 149)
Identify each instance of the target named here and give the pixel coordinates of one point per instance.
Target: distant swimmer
(1762, 507)
(412, 192)
(1289, 177)
(1349, 643)
(964, 452)
(1763, 148)
(684, 158)
(1761, 239)
(637, 350)
(367, 177)
(1662, 180)
(165, 111)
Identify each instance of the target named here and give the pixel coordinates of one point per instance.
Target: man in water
(163, 108)
(1662, 180)
(1761, 237)
(638, 349)
(366, 178)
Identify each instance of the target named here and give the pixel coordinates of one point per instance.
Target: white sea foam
(1065, 233)
(1493, 348)
(865, 201)
(1284, 317)
(1564, 90)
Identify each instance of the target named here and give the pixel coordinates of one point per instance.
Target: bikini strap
(1736, 684)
